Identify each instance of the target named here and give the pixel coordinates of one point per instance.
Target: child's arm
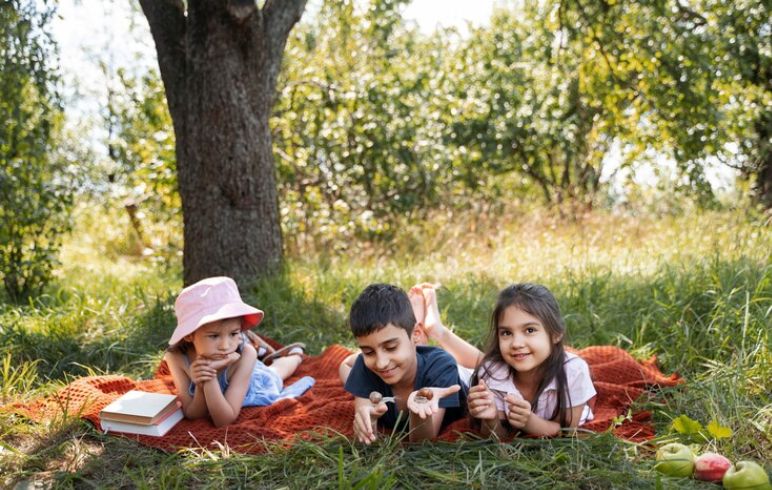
(193, 407)
(345, 367)
(426, 418)
(521, 417)
(465, 353)
(225, 407)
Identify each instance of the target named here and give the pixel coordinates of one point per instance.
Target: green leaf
(718, 431)
(685, 425)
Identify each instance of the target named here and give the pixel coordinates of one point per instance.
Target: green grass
(696, 290)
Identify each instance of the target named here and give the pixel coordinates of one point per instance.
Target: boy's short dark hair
(378, 306)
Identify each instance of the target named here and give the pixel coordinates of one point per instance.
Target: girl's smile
(524, 342)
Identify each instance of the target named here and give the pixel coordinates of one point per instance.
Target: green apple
(746, 475)
(675, 459)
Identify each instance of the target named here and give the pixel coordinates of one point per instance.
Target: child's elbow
(192, 414)
(225, 419)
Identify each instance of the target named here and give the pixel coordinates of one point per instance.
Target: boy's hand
(365, 418)
(519, 411)
(481, 403)
(430, 406)
(202, 371)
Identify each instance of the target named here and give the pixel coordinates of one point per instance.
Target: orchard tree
(360, 83)
(695, 74)
(219, 61)
(35, 194)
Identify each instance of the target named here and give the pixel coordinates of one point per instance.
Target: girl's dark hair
(538, 301)
(181, 346)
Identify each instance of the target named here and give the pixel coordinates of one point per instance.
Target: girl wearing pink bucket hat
(215, 368)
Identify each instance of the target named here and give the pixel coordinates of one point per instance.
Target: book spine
(157, 430)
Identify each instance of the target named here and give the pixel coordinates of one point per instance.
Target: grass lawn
(694, 289)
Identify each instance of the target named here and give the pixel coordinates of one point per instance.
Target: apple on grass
(746, 475)
(711, 467)
(675, 459)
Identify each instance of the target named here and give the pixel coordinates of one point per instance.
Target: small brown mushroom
(375, 398)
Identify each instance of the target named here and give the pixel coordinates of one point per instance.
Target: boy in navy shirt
(382, 321)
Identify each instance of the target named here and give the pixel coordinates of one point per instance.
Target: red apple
(746, 475)
(711, 467)
(675, 459)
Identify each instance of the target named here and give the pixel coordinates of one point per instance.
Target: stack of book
(141, 412)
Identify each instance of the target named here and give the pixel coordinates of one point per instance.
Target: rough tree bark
(219, 61)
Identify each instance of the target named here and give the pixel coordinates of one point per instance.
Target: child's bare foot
(432, 324)
(419, 335)
(416, 297)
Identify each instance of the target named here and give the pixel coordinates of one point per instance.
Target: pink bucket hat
(209, 300)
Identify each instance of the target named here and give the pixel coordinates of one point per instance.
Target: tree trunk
(763, 186)
(219, 62)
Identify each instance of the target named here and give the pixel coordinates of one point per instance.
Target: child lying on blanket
(213, 364)
(525, 380)
(422, 381)
(423, 300)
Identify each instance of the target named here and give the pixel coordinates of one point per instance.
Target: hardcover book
(157, 430)
(140, 407)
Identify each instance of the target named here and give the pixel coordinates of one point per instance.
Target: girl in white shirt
(526, 380)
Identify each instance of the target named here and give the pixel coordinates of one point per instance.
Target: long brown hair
(538, 301)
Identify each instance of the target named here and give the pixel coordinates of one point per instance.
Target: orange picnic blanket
(619, 379)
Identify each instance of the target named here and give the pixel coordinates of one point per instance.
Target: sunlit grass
(693, 289)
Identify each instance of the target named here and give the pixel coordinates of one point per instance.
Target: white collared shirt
(580, 387)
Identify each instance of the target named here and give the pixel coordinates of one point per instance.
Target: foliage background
(475, 158)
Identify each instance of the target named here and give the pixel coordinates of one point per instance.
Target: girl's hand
(365, 420)
(201, 371)
(519, 411)
(481, 404)
(225, 361)
(431, 405)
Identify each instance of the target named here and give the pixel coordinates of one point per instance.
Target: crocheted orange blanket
(619, 380)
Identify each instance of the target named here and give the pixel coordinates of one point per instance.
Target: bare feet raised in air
(416, 297)
(432, 323)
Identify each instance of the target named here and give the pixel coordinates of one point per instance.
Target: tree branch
(166, 19)
(691, 15)
(279, 17)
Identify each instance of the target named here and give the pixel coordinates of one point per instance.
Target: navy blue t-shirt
(436, 369)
